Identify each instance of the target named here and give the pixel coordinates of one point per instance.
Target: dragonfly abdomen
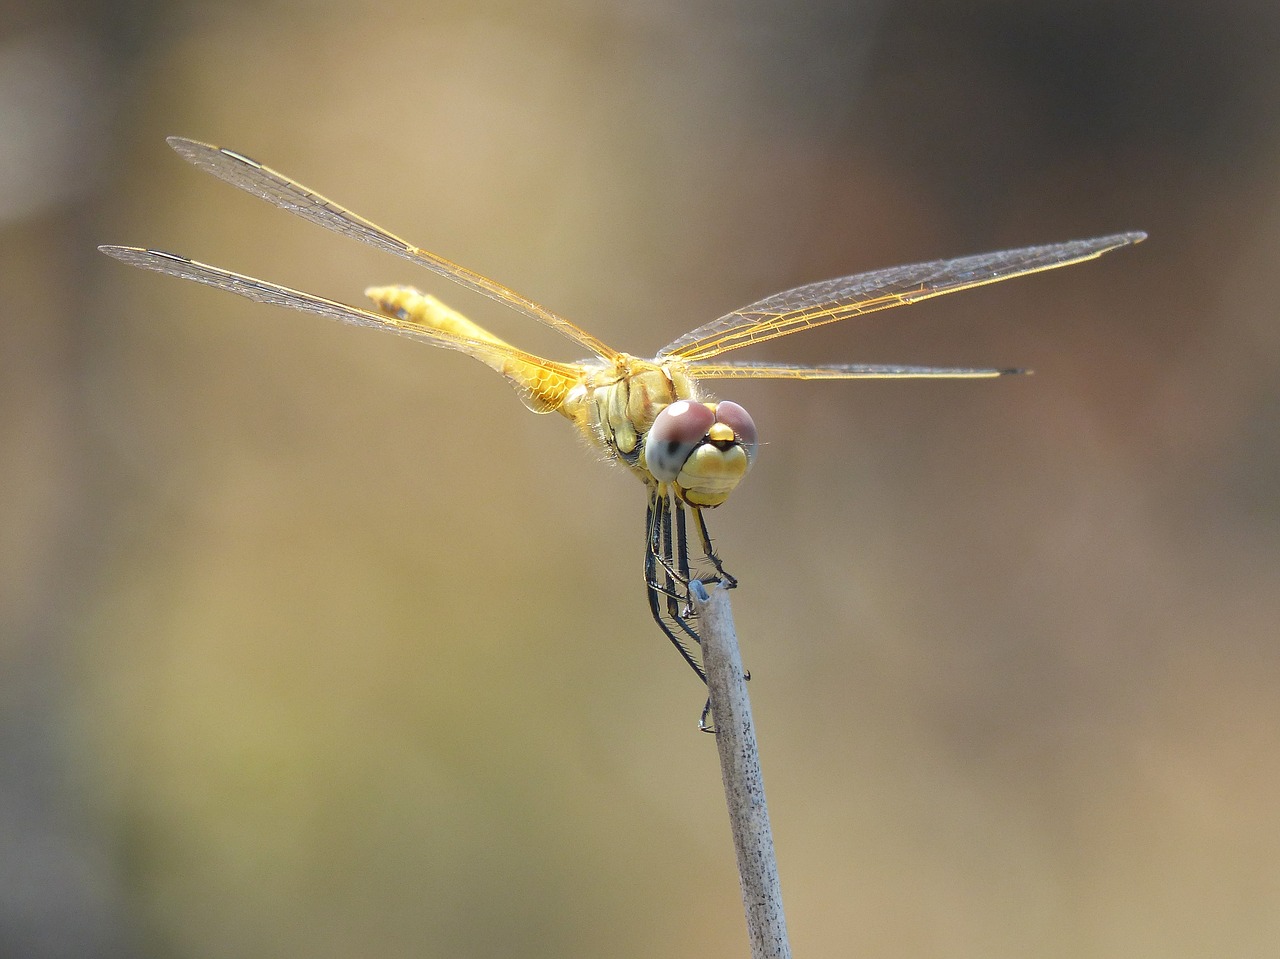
(541, 385)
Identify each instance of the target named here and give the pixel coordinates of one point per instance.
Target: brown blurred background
(314, 643)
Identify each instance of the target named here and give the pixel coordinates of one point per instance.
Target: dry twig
(740, 770)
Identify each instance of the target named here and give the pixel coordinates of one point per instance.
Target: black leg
(682, 542)
(723, 576)
(668, 599)
(675, 580)
(705, 536)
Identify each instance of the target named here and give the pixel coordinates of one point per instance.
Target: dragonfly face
(649, 415)
(703, 449)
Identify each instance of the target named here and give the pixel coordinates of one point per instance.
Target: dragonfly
(652, 416)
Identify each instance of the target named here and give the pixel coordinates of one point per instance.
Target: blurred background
(314, 642)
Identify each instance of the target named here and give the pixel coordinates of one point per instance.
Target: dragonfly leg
(722, 575)
(725, 578)
(666, 577)
(705, 723)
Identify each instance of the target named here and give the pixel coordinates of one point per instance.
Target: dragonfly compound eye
(744, 427)
(677, 431)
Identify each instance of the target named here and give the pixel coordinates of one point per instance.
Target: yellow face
(703, 449)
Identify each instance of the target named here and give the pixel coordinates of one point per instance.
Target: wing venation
(276, 188)
(828, 301)
(847, 371)
(539, 381)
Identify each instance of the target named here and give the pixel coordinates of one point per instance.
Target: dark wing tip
(1015, 371)
(1105, 244)
(187, 147)
(140, 256)
(205, 154)
(125, 253)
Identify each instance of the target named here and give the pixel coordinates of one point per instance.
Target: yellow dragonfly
(652, 416)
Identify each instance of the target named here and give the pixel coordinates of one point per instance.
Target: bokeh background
(315, 643)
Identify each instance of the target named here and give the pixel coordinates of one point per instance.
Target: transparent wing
(503, 357)
(850, 371)
(276, 188)
(827, 301)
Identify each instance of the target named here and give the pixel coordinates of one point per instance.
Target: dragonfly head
(703, 449)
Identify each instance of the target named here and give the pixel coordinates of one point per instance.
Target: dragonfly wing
(541, 383)
(851, 371)
(817, 304)
(262, 181)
